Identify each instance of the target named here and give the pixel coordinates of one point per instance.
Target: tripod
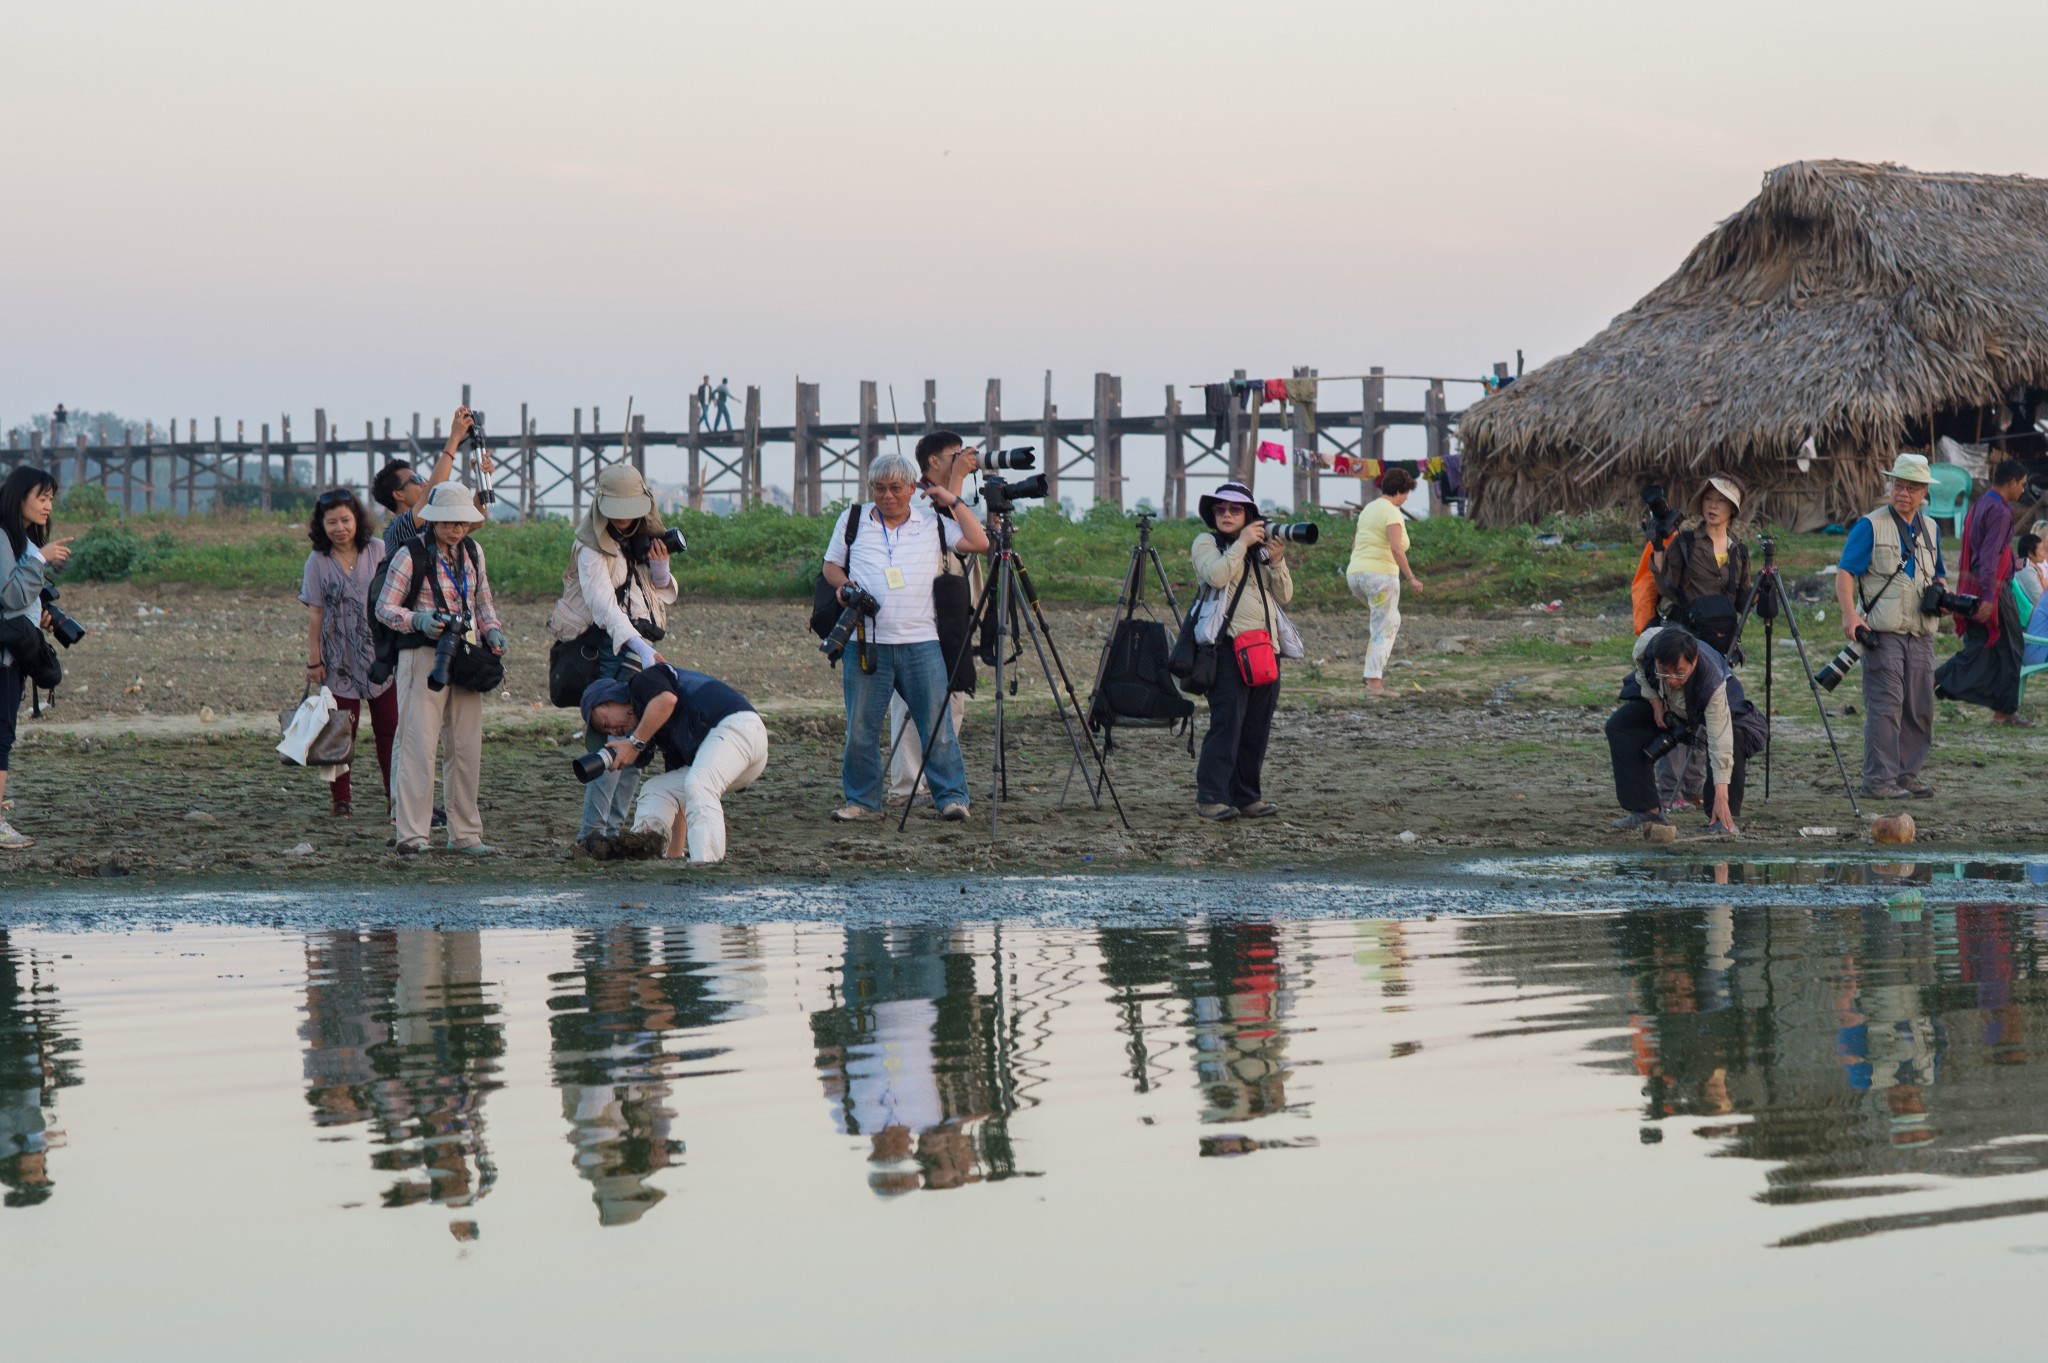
(1769, 601)
(1130, 598)
(1008, 595)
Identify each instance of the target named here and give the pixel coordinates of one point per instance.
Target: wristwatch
(639, 743)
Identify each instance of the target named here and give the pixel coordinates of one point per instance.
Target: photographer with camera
(894, 552)
(449, 644)
(711, 742)
(27, 556)
(1379, 561)
(1986, 670)
(616, 594)
(399, 489)
(1702, 576)
(943, 460)
(1237, 553)
(1681, 695)
(1890, 562)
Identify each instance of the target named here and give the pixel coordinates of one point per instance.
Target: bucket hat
(622, 493)
(1228, 492)
(450, 502)
(1910, 468)
(1727, 484)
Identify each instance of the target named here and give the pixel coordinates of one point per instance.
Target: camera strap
(1907, 541)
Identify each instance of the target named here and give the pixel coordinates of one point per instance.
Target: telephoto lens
(1935, 601)
(1023, 457)
(1294, 532)
(1831, 674)
(66, 630)
(1668, 738)
(452, 630)
(859, 603)
(591, 765)
(673, 538)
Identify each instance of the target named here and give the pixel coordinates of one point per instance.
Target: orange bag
(1643, 589)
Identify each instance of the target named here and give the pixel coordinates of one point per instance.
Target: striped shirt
(474, 598)
(916, 549)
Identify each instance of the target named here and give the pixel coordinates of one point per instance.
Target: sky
(248, 209)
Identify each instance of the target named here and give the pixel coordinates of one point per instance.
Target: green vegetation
(765, 553)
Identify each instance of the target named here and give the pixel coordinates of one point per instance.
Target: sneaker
(1219, 813)
(413, 847)
(478, 849)
(1916, 787)
(1886, 792)
(955, 813)
(344, 809)
(1678, 805)
(1257, 809)
(1629, 823)
(854, 814)
(640, 845)
(12, 838)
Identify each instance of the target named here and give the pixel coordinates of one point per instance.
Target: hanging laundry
(1276, 390)
(1341, 465)
(1302, 393)
(1368, 468)
(1435, 467)
(1216, 406)
(1272, 452)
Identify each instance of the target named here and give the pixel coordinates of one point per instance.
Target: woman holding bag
(336, 591)
(1245, 577)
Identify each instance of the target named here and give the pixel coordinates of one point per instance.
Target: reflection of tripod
(1768, 600)
(1009, 591)
(1130, 599)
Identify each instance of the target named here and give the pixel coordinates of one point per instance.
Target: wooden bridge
(541, 473)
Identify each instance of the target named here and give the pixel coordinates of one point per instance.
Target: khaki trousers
(425, 717)
(1898, 708)
(731, 757)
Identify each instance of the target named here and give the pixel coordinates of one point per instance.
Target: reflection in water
(399, 1034)
(36, 1059)
(631, 990)
(914, 1057)
(1238, 995)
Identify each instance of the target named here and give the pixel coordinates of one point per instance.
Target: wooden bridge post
(1173, 498)
(525, 502)
(369, 454)
(1372, 418)
(576, 468)
(808, 496)
(1238, 457)
(870, 433)
(319, 448)
(127, 468)
(639, 438)
(78, 473)
(1109, 471)
(992, 417)
(931, 405)
(750, 463)
(694, 442)
(220, 463)
(1439, 421)
(1303, 452)
(1049, 441)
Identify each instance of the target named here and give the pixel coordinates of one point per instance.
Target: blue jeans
(609, 799)
(916, 672)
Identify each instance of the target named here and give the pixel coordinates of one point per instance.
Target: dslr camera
(1290, 532)
(62, 627)
(1663, 518)
(1023, 457)
(1675, 734)
(591, 765)
(860, 604)
(640, 544)
(1000, 495)
(1935, 601)
(454, 624)
(1831, 674)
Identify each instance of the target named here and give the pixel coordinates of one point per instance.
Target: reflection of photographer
(616, 594)
(436, 586)
(1892, 556)
(893, 548)
(27, 607)
(1681, 695)
(1702, 573)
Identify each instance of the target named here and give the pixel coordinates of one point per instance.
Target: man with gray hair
(1893, 555)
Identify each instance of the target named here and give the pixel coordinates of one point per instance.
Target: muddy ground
(1493, 741)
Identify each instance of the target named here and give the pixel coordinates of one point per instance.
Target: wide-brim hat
(1228, 492)
(1727, 484)
(1910, 468)
(622, 494)
(449, 502)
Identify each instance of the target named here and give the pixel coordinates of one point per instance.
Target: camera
(640, 543)
(1023, 457)
(1837, 667)
(62, 627)
(454, 624)
(1000, 494)
(1664, 517)
(1294, 532)
(1935, 601)
(1675, 734)
(475, 438)
(591, 765)
(860, 603)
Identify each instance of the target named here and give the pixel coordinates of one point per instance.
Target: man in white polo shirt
(896, 554)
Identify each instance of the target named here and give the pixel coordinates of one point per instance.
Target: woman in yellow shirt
(1379, 561)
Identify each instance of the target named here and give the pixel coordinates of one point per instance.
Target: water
(1737, 1125)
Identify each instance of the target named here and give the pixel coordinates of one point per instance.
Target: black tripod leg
(1769, 641)
(1041, 639)
(1792, 623)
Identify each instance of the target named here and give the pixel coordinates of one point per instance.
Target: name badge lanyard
(894, 575)
(458, 577)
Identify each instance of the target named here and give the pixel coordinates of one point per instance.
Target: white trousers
(425, 718)
(1381, 593)
(732, 757)
(908, 756)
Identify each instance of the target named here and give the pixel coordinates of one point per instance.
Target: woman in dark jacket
(1703, 584)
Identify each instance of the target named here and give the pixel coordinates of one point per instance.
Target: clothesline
(1356, 378)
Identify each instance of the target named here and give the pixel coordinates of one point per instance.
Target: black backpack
(386, 641)
(825, 607)
(1136, 688)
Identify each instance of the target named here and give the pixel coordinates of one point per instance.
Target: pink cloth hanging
(1276, 390)
(1272, 451)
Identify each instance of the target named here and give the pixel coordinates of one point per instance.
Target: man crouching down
(712, 741)
(1681, 692)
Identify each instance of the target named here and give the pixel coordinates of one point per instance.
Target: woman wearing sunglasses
(336, 590)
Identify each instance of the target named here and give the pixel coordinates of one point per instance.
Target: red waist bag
(1257, 663)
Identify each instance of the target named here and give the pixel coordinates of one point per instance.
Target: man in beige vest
(1891, 557)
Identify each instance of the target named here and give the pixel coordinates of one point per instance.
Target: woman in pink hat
(1245, 575)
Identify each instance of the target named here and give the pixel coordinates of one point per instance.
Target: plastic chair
(2026, 669)
(1949, 498)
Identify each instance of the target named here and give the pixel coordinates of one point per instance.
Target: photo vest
(1897, 609)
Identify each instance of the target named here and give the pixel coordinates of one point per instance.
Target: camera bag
(825, 605)
(470, 666)
(573, 665)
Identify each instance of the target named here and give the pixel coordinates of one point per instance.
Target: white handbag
(304, 725)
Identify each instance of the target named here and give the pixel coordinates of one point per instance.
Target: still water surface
(1671, 1132)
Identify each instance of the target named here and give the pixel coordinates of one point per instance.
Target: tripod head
(1767, 587)
(1144, 529)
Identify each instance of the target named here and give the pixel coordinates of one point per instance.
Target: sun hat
(449, 502)
(603, 691)
(622, 493)
(1228, 492)
(1910, 468)
(1727, 484)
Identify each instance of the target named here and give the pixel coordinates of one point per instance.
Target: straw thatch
(1856, 304)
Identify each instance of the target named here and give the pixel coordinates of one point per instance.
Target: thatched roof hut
(1869, 307)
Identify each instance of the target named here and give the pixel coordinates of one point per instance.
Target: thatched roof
(1845, 302)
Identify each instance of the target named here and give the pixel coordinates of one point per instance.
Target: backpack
(1642, 589)
(386, 641)
(1136, 688)
(825, 607)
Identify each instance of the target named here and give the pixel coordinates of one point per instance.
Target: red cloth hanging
(1276, 390)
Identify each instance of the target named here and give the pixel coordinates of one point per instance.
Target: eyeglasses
(333, 497)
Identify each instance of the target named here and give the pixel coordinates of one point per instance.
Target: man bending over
(712, 741)
(1681, 688)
